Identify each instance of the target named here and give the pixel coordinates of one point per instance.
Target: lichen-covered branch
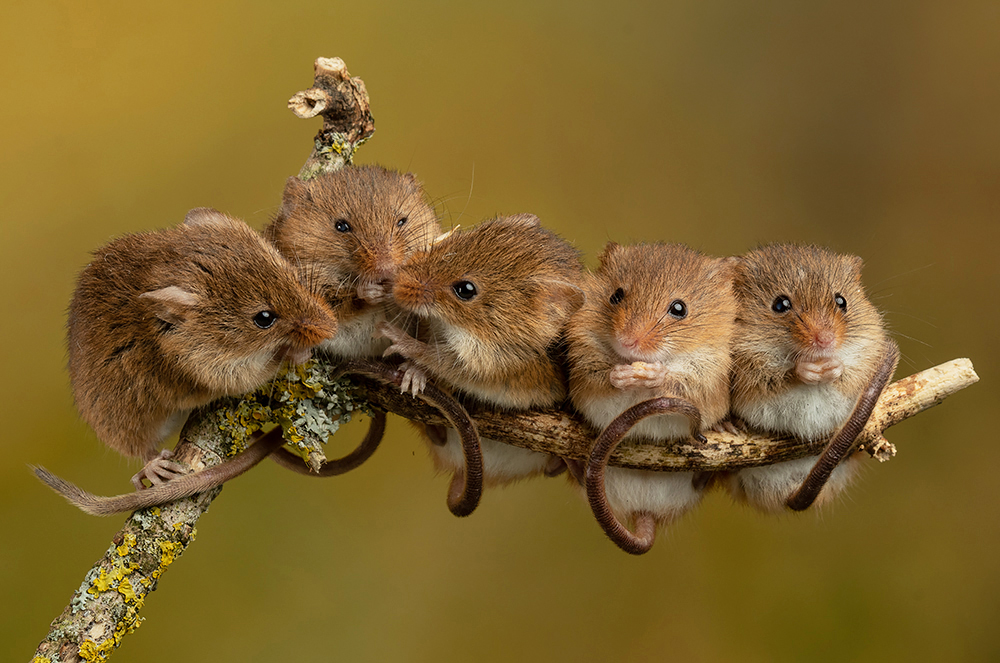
(105, 607)
(308, 402)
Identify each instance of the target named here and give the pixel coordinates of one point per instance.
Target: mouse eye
(265, 319)
(464, 290)
(841, 302)
(617, 296)
(342, 226)
(678, 309)
(402, 222)
(781, 304)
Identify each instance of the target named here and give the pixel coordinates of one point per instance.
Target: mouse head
(506, 282)
(658, 300)
(350, 230)
(803, 302)
(229, 307)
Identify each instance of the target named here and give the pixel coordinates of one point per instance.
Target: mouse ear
(206, 216)
(171, 304)
(296, 188)
(610, 249)
(564, 296)
(855, 263)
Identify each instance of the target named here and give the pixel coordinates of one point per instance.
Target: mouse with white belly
(649, 359)
(490, 303)
(164, 322)
(810, 359)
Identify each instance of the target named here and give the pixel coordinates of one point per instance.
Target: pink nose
(823, 339)
(628, 342)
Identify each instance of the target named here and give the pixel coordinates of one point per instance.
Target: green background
(872, 128)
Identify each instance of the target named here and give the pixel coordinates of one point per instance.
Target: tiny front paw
(372, 292)
(638, 375)
(402, 343)
(820, 372)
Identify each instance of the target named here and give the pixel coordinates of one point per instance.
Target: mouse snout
(308, 332)
(411, 293)
(637, 344)
(823, 338)
(817, 336)
(379, 265)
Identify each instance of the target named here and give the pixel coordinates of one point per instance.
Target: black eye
(678, 309)
(401, 222)
(342, 226)
(841, 302)
(464, 290)
(781, 304)
(617, 296)
(265, 319)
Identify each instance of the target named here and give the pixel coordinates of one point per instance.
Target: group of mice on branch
(661, 343)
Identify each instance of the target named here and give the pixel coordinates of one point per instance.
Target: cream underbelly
(809, 412)
(501, 462)
(664, 495)
(603, 411)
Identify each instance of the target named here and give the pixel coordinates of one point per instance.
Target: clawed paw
(414, 379)
(820, 372)
(727, 426)
(638, 375)
(159, 470)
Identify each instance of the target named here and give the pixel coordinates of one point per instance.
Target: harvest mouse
(810, 359)
(491, 302)
(348, 232)
(164, 322)
(652, 339)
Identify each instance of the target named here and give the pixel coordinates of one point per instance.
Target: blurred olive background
(868, 127)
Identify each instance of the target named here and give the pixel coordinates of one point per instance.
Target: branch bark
(565, 434)
(105, 607)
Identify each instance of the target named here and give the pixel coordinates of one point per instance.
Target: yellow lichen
(100, 584)
(126, 545)
(91, 651)
(126, 590)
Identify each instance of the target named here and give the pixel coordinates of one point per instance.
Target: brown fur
(652, 276)
(372, 200)
(162, 322)
(528, 283)
(768, 344)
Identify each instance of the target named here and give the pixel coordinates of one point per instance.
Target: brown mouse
(164, 322)
(348, 232)
(491, 303)
(810, 359)
(652, 339)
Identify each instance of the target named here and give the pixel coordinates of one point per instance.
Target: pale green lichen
(307, 401)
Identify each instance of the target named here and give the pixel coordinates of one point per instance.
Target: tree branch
(565, 434)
